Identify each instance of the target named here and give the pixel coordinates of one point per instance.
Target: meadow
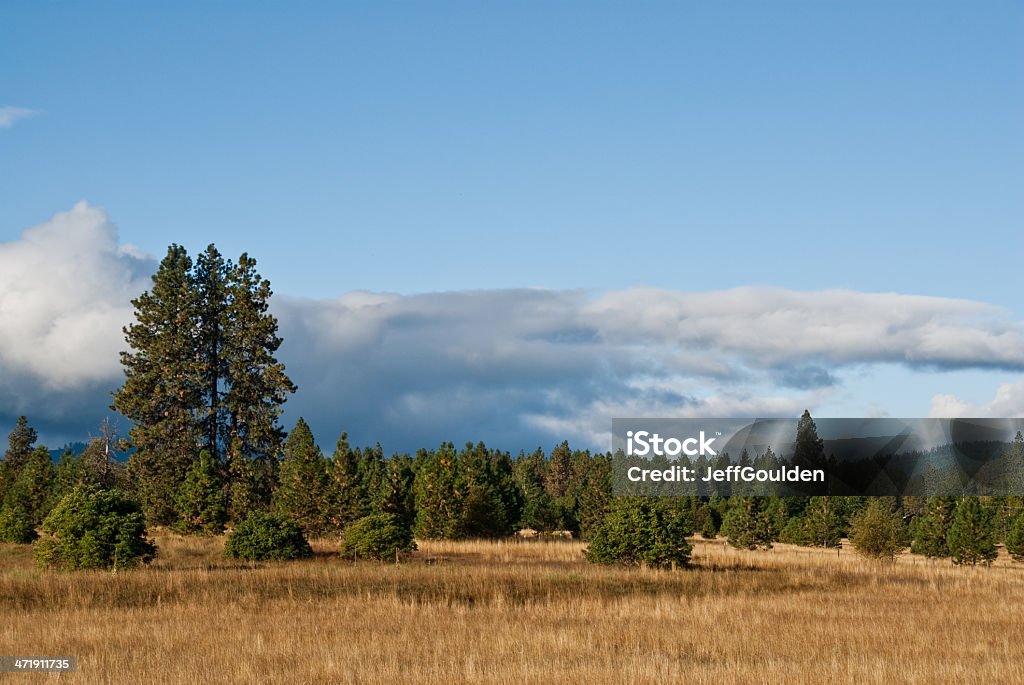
(508, 612)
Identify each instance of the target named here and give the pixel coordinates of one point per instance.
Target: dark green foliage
(877, 531)
(200, 501)
(437, 493)
(1015, 539)
(162, 391)
(641, 531)
(251, 482)
(539, 511)
(265, 536)
(559, 473)
(748, 523)
(303, 492)
(92, 528)
(822, 526)
(491, 504)
(930, 528)
(20, 445)
(201, 372)
(971, 538)
(377, 536)
(256, 385)
(348, 498)
(16, 525)
(596, 493)
(30, 493)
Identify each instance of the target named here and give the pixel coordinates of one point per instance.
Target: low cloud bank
(516, 368)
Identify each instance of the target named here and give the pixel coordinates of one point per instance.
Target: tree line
(204, 391)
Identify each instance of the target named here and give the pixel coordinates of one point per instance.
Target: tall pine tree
(201, 374)
(162, 392)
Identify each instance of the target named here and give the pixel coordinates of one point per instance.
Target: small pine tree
(31, 492)
(877, 531)
(265, 536)
(94, 529)
(377, 536)
(16, 525)
(971, 538)
(821, 524)
(748, 524)
(200, 501)
(438, 495)
(642, 531)
(303, 493)
(1015, 538)
(931, 527)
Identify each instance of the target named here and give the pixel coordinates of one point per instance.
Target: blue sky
(416, 149)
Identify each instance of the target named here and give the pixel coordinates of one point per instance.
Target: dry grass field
(510, 613)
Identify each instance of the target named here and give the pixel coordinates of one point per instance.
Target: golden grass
(518, 612)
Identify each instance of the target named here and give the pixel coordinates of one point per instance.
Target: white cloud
(65, 291)
(513, 367)
(1007, 403)
(9, 115)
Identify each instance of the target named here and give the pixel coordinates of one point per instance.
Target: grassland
(526, 612)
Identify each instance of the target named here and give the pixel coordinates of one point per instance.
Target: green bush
(94, 528)
(16, 526)
(378, 536)
(877, 531)
(266, 536)
(642, 531)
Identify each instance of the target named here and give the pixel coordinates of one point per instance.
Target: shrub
(641, 531)
(265, 536)
(16, 526)
(378, 536)
(94, 528)
(877, 532)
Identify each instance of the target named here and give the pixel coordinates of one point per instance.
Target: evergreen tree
(303, 492)
(163, 386)
(929, 529)
(748, 523)
(559, 473)
(971, 538)
(437, 493)
(877, 531)
(201, 507)
(21, 441)
(31, 492)
(347, 495)
(210, 285)
(202, 374)
(1015, 539)
(256, 383)
(530, 474)
(642, 531)
(822, 526)
(596, 495)
(809, 450)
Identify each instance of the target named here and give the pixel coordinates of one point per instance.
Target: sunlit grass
(519, 612)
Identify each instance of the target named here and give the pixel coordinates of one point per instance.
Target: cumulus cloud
(65, 291)
(516, 368)
(1007, 403)
(10, 115)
